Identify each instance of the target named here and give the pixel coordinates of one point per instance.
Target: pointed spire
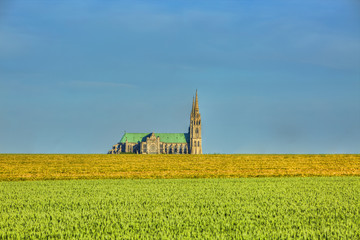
(196, 103)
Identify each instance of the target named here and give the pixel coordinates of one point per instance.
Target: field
(100, 166)
(179, 196)
(243, 208)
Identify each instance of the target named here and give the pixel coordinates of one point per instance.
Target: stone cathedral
(164, 143)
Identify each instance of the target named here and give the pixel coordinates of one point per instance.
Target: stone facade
(164, 143)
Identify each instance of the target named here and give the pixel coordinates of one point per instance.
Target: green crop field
(157, 196)
(242, 208)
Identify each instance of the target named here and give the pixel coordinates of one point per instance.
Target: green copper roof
(164, 137)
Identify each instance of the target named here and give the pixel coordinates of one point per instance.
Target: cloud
(95, 84)
(14, 42)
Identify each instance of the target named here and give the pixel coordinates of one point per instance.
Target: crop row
(247, 208)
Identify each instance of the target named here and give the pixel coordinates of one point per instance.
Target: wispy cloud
(14, 42)
(95, 84)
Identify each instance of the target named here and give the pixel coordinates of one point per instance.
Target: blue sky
(272, 76)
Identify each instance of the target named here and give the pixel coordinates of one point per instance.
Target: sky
(272, 76)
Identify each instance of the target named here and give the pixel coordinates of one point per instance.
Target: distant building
(165, 143)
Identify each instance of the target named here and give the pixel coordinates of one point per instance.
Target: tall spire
(196, 103)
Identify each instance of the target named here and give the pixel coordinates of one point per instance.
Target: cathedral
(164, 143)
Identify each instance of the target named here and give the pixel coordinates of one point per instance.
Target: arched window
(196, 130)
(198, 143)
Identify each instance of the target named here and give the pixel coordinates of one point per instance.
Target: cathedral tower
(195, 128)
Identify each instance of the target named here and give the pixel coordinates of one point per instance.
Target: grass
(245, 208)
(101, 166)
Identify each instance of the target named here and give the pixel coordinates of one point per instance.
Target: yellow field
(95, 166)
